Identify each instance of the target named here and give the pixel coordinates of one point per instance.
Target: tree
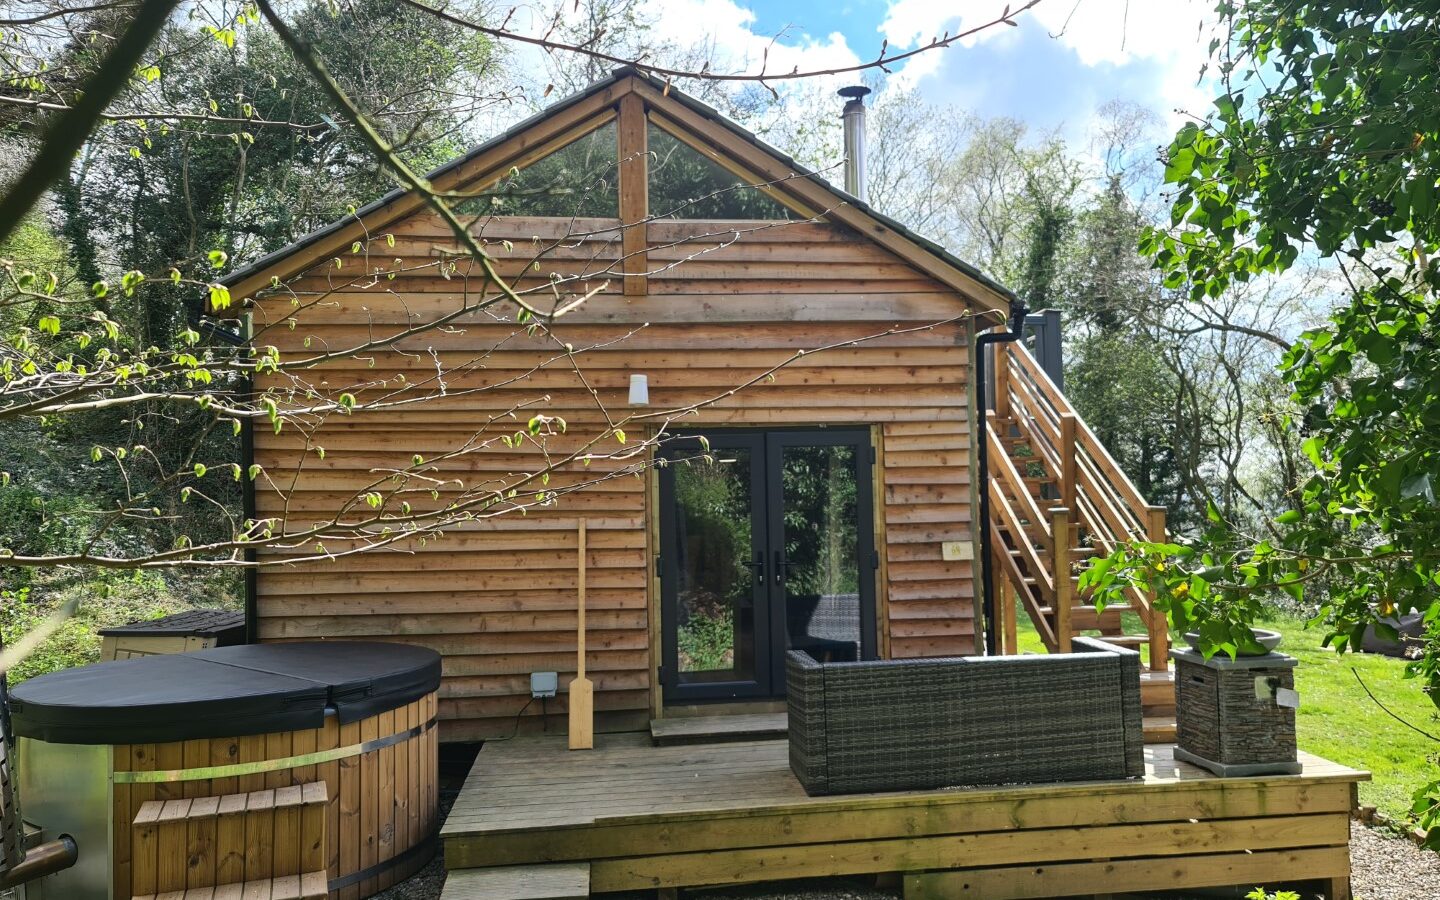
(1323, 143)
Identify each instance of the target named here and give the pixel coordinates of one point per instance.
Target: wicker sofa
(930, 723)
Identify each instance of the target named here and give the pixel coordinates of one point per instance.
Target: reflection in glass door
(766, 544)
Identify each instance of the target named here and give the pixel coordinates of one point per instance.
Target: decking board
(691, 815)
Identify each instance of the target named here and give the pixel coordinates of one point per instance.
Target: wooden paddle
(582, 692)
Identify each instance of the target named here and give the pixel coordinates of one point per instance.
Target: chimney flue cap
(854, 92)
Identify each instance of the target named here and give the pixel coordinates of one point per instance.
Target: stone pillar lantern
(1236, 717)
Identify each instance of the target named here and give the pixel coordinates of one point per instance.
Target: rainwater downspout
(987, 578)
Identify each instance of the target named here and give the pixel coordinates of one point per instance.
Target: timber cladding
(726, 302)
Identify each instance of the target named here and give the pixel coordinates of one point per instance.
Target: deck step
(548, 881)
(718, 729)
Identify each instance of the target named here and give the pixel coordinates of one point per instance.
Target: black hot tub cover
(222, 692)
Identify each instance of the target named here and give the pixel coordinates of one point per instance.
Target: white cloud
(1113, 31)
(1099, 32)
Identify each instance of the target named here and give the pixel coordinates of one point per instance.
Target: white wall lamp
(639, 390)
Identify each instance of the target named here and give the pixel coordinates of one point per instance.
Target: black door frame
(767, 446)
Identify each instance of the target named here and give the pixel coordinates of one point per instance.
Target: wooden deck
(686, 816)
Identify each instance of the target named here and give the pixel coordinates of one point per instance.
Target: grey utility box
(1236, 717)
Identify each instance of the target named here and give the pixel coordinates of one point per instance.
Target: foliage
(106, 599)
(1262, 894)
(1325, 139)
(1121, 386)
(706, 641)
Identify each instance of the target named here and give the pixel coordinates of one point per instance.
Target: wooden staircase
(1057, 499)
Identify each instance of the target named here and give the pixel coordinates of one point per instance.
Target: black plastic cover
(222, 692)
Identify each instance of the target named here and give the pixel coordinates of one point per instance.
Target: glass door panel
(766, 543)
(823, 557)
(716, 639)
(820, 554)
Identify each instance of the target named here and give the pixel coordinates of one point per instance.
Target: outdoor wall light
(639, 390)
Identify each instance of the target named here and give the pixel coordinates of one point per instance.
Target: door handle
(780, 565)
(757, 565)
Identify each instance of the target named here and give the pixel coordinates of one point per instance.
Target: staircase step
(1085, 618)
(547, 881)
(1126, 640)
(1157, 690)
(1159, 729)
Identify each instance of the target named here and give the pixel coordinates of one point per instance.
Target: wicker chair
(931, 723)
(825, 625)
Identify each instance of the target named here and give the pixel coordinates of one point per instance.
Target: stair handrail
(1094, 488)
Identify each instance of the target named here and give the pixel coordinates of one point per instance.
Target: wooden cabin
(838, 507)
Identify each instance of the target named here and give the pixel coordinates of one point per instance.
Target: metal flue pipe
(854, 118)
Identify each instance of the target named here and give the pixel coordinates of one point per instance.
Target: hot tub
(98, 742)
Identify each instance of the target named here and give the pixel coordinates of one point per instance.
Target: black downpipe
(982, 399)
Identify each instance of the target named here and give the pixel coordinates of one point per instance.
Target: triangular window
(579, 179)
(684, 184)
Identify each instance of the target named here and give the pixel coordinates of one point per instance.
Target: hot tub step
(254, 838)
(310, 886)
(552, 881)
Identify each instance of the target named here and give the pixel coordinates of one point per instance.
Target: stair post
(1005, 600)
(1068, 485)
(1060, 532)
(1002, 381)
(1159, 624)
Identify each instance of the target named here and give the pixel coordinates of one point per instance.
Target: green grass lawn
(1339, 722)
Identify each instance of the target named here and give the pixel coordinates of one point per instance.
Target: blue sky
(1064, 60)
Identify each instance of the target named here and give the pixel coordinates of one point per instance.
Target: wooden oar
(582, 692)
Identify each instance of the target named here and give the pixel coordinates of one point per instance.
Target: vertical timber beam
(1068, 487)
(1006, 601)
(1060, 532)
(634, 193)
(1159, 625)
(1002, 382)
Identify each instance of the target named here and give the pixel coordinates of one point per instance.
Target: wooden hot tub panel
(378, 777)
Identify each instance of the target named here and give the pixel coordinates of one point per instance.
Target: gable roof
(789, 177)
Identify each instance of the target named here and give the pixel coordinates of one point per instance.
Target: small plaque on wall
(957, 551)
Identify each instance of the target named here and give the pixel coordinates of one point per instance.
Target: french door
(766, 543)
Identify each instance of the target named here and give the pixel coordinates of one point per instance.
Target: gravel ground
(1386, 867)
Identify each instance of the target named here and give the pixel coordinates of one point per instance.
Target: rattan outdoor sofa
(891, 725)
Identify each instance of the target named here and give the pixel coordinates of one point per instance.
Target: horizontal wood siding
(497, 597)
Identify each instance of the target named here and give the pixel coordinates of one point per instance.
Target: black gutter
(982, 402)
(247, 491)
